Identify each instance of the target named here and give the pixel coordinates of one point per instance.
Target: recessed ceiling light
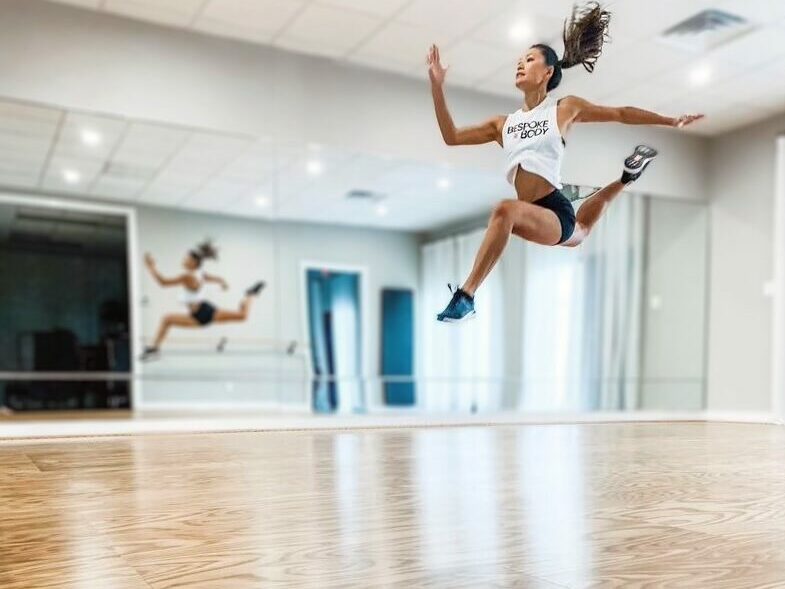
(91, 137)
(382, 210)
(314, 167)
(72, 176)
(262, 202)
(443, 183)
(520, 31)
(701, 75)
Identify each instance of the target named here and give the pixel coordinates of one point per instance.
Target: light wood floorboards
(602, 505)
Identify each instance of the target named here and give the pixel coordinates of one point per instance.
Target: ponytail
(585, 32)
(584, 35)
(204, 251)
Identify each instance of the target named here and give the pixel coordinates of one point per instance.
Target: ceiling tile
(403, 44)
(754, 49)
(628, 61)
(78, 128)
(178, 13)
(453, 17)
(641, 19)
(171, 187)
(529, 27)
(328, 29)
(383, 8)
(758, 11)
(218, 192)
(251, 19)
(203, 156)
(86, 168)
(94, 4)
(471, 61)
(23, 119)
(149, 144)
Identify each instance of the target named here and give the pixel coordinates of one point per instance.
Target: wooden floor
(605, 505)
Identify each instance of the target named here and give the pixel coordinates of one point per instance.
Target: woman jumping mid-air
(532, 139)
(200, 312)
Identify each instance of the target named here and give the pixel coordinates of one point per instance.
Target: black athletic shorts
(559, 204)
(204, 313)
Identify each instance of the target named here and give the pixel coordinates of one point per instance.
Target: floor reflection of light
(551, 482)
(456, 477)
(348, 469)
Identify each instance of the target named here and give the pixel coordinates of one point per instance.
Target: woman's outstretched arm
(486, 132)
(578, 110)
(149, 261)
(216, 280)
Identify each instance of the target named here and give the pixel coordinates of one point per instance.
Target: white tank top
(193, 297)
(531, 140)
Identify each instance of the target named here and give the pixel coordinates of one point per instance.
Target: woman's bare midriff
(530, 187)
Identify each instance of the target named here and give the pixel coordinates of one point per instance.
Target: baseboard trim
(149, 423)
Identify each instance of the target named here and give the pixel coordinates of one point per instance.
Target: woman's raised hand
(435, 69)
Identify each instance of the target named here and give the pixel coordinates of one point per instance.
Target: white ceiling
(745, 84)
(42, 148)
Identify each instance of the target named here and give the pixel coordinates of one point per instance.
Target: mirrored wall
(319, 288)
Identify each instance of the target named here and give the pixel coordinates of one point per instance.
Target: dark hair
(204, 251)
(584, 34)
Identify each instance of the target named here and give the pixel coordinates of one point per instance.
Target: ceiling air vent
(124, 171)
(367, 195)
(706, 30)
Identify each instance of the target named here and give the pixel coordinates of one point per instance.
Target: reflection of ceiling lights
(262, 202)
(443, 183)
(701, 75)
(71, 176)
(314, 167)
(382, 210)
(91, 138)
(520, 31)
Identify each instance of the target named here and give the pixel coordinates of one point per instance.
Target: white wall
(251, 250)
(83, 60)
(742, 173)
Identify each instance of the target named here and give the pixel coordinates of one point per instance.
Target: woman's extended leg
(224, 316)
(524, 219)
(531, 222)
(593, 208)
(168, 321)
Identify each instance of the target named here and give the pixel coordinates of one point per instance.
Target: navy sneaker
(255, 289)
(460, 308)
(636, 163)
(150, 353)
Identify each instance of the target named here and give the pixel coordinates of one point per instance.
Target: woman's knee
(170, 320)
(580, 233)
(504, 212)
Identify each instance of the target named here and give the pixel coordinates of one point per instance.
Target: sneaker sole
(647, 155)
(471, 315)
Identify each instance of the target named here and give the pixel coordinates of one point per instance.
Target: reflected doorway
(335, 332)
